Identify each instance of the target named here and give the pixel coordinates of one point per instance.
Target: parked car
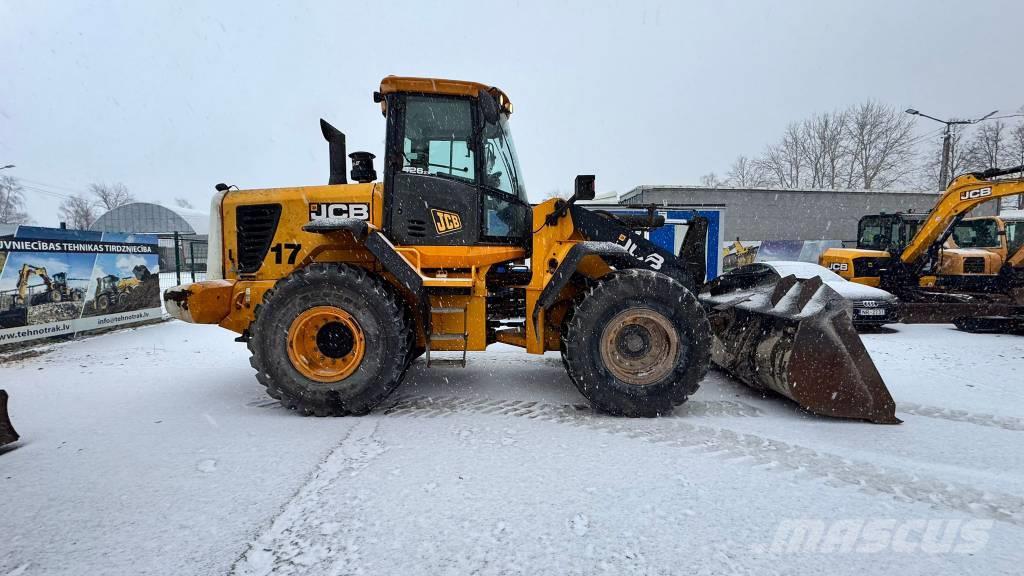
(871, 306)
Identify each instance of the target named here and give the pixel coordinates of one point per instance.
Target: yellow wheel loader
(915, 256)
(336, 289)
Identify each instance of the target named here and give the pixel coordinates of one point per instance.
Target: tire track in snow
(980, 419)
(756, 450)
(433, 406)
(304, 538)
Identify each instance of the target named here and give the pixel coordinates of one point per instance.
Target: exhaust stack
(796, 338)
(336, 150)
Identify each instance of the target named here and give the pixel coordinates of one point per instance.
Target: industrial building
(787, 214)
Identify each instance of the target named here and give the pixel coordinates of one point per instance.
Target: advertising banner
(55, 282)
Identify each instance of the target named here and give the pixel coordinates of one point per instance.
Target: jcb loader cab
(1001, 235)
(336, 289)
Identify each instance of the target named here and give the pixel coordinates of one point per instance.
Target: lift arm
(963, 194)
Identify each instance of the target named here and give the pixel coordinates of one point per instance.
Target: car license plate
(871, 312)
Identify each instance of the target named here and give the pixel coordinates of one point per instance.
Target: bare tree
(78, 212)
(12, 202)
(989, 148)
(556, 193)
(826, 155)
(1015, 146)
(111, 196)
(880, 144)
(745, 173)
(183, 203)
(1015, 157)
(710, 180)
(783, 163)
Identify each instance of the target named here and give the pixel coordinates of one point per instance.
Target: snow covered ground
(154, 451)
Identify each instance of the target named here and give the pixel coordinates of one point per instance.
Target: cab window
(438, 136)
(976, 234)
(1014, 236)
(501, 165)
(871, 233)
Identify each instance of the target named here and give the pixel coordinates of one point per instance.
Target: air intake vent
(256, 226)
(416, 228)
(974, 265)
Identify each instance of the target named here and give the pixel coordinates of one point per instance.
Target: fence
(182, 259)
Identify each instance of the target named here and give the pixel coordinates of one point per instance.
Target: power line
(44, 191)
(926, 136)
(56, 187)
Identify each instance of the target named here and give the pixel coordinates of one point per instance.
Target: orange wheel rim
(326, 344)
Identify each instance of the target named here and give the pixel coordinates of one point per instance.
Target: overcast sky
(172, 97)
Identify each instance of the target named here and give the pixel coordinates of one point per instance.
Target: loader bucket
(7, 433)
(796, 338)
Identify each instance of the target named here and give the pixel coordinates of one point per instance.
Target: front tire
(330, 340)
(638, 344)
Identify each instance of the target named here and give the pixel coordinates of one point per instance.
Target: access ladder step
(447, 337)
(460, 362)
(447, 310)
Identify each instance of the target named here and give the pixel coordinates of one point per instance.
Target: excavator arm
(964, 193)
(27, 270)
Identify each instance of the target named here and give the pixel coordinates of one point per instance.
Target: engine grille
(416, 228)
(974, 265)
(256, 225)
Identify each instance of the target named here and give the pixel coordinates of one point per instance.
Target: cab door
(432, 191)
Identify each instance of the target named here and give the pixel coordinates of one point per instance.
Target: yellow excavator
(911, 256)
(336, 289)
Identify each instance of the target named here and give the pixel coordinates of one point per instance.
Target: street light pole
(946, 145)
(947, 140)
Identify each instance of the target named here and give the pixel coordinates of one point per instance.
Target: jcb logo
(972, 194)
(839, 266)
(446, 222)
(325, 210)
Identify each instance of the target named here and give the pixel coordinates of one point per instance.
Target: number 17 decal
(278, 250)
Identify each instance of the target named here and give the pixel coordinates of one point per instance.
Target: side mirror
(489, 107)
(584, 189)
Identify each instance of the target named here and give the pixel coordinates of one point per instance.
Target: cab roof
(393, 84)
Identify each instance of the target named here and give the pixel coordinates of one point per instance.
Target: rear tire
(638, 344)
(330, 340)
